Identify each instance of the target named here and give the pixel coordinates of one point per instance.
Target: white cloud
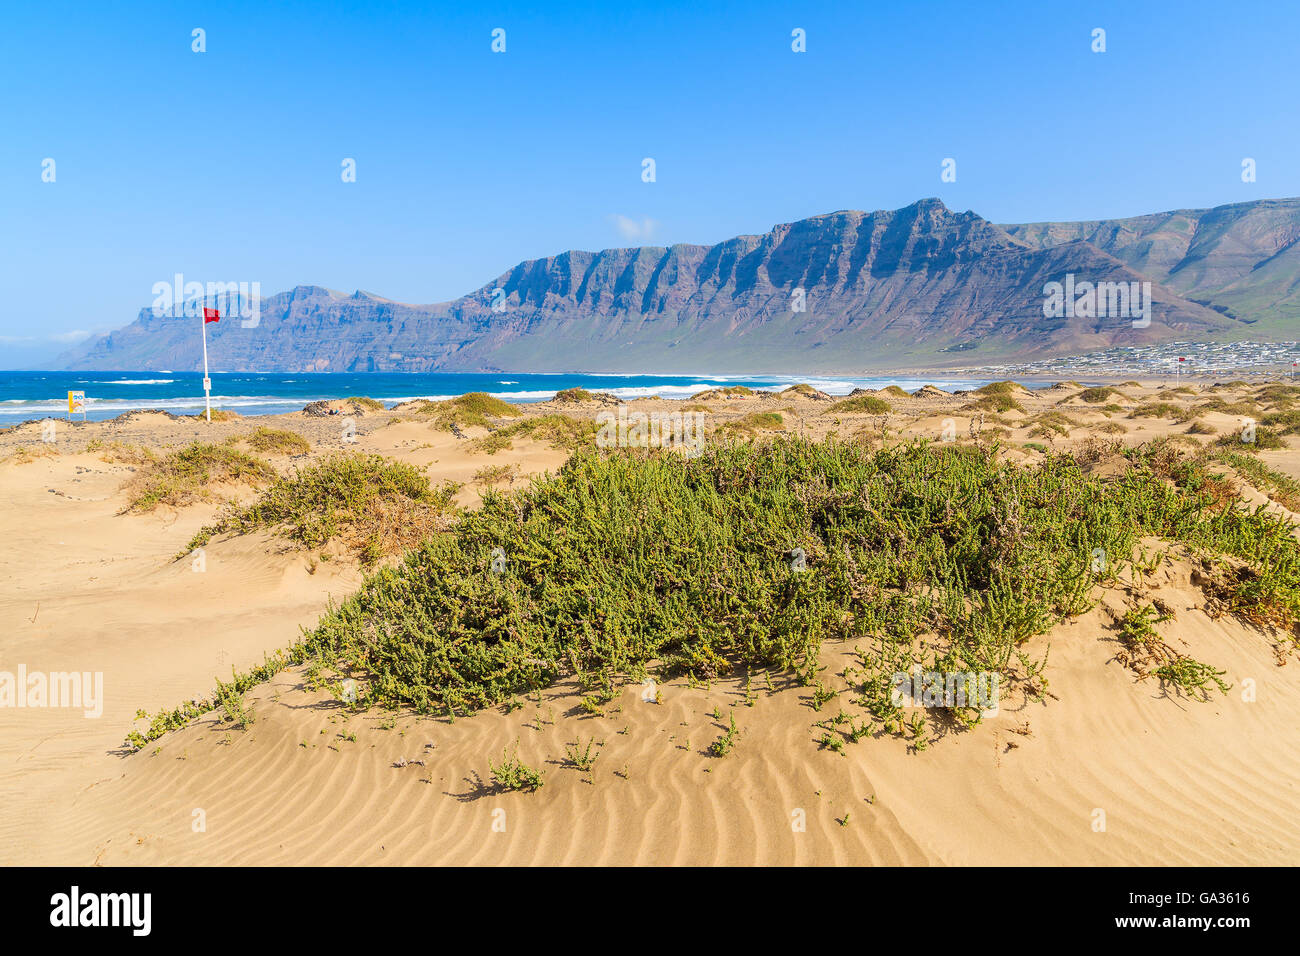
(634, 231)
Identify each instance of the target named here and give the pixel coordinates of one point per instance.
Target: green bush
(276, 441)
(626, 561)
(377, 505)
(862, 403)
(184, 476)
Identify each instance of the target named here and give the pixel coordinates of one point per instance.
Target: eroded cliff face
(841, 292)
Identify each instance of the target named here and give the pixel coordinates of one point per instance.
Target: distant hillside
(1242, 260)
(918, 286)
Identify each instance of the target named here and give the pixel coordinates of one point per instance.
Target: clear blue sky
(226, 165)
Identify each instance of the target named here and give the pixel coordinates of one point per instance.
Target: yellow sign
(76, 403)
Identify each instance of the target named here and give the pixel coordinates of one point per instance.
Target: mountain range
(921, 286)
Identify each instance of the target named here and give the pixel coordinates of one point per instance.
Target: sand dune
(87, 588)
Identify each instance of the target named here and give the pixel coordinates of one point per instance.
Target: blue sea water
(33, 395)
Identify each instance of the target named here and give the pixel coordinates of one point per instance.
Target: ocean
(32, 395)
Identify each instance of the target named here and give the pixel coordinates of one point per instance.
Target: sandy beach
(89, 585)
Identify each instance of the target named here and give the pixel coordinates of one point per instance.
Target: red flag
(210, 315)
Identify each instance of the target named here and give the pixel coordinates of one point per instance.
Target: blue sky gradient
(225, 165)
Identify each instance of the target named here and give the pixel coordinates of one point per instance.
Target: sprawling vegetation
(375, 505)
(1286, 422)
(943, 556)
(1263, 439)
(366, 404)
(727, 391)
(1147, 653)
(996, 397)
(1245, 409)
(753, 423)
(276, 441)
(186, 475)
(1158, 410)
(494, 474)
(862, 403)
(473, 409)
(121, 452)
(1099, 394)
(217, 414)
(1280, 487)
(1051, 424)
(559, 431)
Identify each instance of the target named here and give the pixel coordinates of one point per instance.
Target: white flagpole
(207, 382)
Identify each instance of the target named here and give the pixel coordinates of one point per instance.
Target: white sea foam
(137, 381)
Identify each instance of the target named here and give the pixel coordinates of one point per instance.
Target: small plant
(232, 704)
(594, 704)
(917, 726)
(494, 474)
(1136, 626)
(821, 694)
(1193, 677)
(857, 730)
(724, 744)
(513, 774)
(582, 757)
(832, 741)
